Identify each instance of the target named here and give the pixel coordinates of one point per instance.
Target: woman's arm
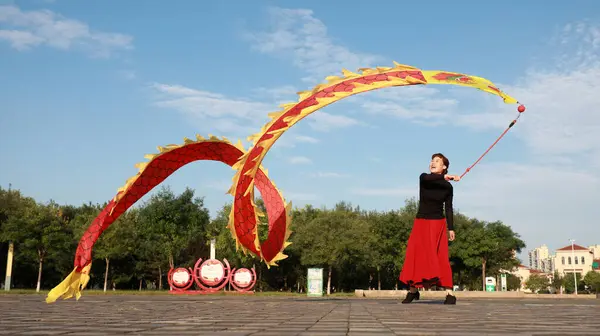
(449, 211)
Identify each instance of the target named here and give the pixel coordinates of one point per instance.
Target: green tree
(537, 282)
(358, 248)
(390, 231)
(117, 241)
(171, 223)
(592, 280)
(331, 240)
(507, 244)
(569, 282)
(406, 216)
(557, 282)
(13, 206)
(513, 282)
(487, 247)
(473, 246)
(39, 232)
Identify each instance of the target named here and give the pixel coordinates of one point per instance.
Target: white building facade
(576, 258)
(595, 251)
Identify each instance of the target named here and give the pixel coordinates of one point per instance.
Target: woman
(427, 262)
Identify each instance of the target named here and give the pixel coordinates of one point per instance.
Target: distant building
(566, 260)
(576, 258)
(540, 259)
(523, 273)
(595, 251)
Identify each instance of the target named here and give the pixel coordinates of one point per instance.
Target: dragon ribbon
(150, 174)
(243, 217)
(336, 88)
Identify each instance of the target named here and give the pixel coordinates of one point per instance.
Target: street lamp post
(573, 254)
(11, 247)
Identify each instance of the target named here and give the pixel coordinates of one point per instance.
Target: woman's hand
(451, 235)
(454, 178)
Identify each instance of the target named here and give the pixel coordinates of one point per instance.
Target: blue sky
(88, 88)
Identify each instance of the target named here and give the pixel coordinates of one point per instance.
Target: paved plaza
(262, 315)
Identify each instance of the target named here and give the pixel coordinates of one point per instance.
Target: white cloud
(422, 113)
(299, 160)
(324, 122)
(296, 33)
(25, 30)
(239, 117)
(563, 118)
(213, 112)
(307, 139)
(328, 175)
(236, 118)
(289, 141)
(207, 104)
(20, 40)
(582, 40)
(546, 204)
(285, 93)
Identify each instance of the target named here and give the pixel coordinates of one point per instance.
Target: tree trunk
(483, 262)
(329, 281)
(140, 285)
(378, 279)
(498, 283)
(106, 273)
(160, 278)
(171, 265)
(39, 280)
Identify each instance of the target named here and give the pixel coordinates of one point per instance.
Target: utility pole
(573, 254)
(11, 249)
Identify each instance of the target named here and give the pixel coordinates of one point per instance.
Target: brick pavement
(261, 315)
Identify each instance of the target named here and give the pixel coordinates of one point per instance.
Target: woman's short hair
(444, 160)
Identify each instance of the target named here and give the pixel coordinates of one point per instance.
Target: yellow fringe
(73, 284)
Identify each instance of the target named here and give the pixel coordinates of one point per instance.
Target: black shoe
(450, 299)
(411, 296)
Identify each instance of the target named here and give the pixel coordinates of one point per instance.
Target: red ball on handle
(521, 108)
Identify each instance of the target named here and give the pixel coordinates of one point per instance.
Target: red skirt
(427, 262)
